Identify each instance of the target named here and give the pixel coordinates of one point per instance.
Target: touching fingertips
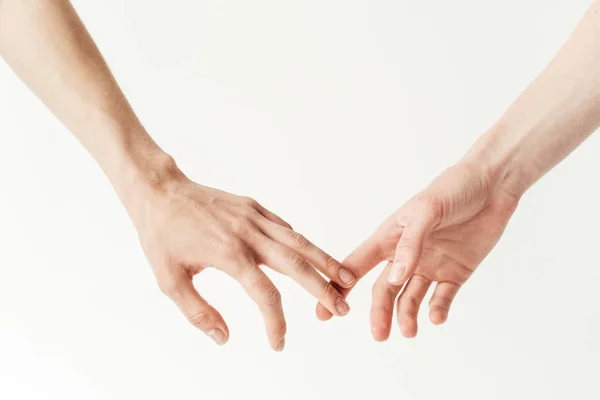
(323, 314)
(217, 335)
(341, 306)
(346, 276)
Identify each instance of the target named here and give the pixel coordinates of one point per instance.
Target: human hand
(441, 235)
(185, 228)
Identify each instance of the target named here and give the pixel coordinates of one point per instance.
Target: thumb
(410, 246)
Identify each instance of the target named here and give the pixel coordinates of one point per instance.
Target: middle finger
(289, 262)
(313, 254)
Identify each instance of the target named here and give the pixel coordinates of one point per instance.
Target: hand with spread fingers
(438, 237)
(442, 234)
(185, 227)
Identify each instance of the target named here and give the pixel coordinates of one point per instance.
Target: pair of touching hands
(439, 236)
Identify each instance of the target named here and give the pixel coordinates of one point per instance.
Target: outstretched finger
(271, 216)
(287, 261)
(382, 305)
(359, 262)
(319, 259)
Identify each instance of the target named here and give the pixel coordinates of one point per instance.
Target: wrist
(143, 173)
(499, 156)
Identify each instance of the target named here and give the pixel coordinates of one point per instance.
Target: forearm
(48, 47)
(553, 116)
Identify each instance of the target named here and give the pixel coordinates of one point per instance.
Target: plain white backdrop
(332, 114)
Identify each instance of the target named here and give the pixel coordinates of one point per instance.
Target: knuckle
(412, 301)
(431, 207)
(249, 212)
(241, 226)
(405, 242)
(441, 302)
(169, 287)
(299, 241)
(273, 296)
(198, 318)
(234, 247)
(328, 290)
(251, 202)
(331, 264)
(256, 282)
(423, 280)
(445, 307)
(410, 306)
(380, 288)
(281, 328)
(384, 307)
(296, 261)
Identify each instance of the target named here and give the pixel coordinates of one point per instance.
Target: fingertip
(408, 328)
(380, 334)
(325, 317)
(342, 307)
(381, 323)
(346, 278)
(277, 342)
(218, 335)
(323, 314)
(441, 301)
(438, 316)
(280, 346)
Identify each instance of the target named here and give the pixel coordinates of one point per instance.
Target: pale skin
(183, 227)
(443, 233)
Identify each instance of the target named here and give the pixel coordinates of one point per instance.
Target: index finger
(360, 261)
(319, 259)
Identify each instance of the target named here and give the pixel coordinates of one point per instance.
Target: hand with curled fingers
(440, 235)
(185, 228)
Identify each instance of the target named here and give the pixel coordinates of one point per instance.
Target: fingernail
(217, 335)
(397, 272)
(346, 276)
(281, 344)
(341, 306)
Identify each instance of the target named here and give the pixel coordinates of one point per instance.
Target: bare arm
(184, 227)
(47, 45)
(553, 116)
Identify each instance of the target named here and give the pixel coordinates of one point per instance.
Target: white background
(332, 114)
